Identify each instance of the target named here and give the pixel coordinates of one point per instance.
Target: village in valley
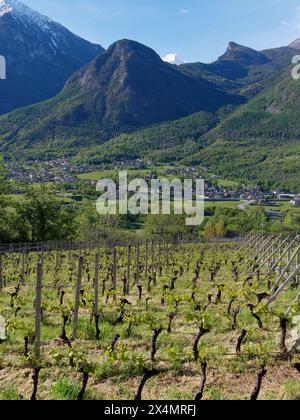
(65, 174)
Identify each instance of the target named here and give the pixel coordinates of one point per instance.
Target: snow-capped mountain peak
(40, 55)
(22, 12)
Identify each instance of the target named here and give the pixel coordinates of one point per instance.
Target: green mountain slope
(124, 88)
(166, 142)
(260, 141)
(128, 104)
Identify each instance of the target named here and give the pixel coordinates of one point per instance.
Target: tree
(109, 228)
(220, 229)
(209, 231)
(48, 218)
(291, 222)
(166, 225)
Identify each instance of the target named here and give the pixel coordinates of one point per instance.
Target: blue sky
(197, 30)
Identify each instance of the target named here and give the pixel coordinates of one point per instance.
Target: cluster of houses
(295, 201)
(51, 171)
(279, 196)
(61, 170)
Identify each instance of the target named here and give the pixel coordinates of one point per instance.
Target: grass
(292, 390)
(63, 389)
(132, 173)
(227, 183)
(222, 204)
(9, 393)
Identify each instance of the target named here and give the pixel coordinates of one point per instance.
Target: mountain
(131, 85)
(238, 115)
(167, 142)
(296, 44)
(242, 70)
(234, 64)
(122, 89)
(245, 56)
(40, 55)
(259, 142)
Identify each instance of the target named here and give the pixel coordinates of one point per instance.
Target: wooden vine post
(137, 264)
(57, 259)
(153, 258)
(159, 253)
(96, 307)
(146, 257)
(23, 267)
(114, 269)
(42, 253)
(128, 270)
(38, 311)
(77, 297)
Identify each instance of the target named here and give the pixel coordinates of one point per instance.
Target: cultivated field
(186, 319)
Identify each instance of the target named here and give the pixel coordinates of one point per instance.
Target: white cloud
(185, 12)
(173, 58)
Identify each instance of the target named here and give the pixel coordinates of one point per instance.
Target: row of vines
(145, 321)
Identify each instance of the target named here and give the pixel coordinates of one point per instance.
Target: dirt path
(245, 204)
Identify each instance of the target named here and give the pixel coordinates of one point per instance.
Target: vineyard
(153, 320)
